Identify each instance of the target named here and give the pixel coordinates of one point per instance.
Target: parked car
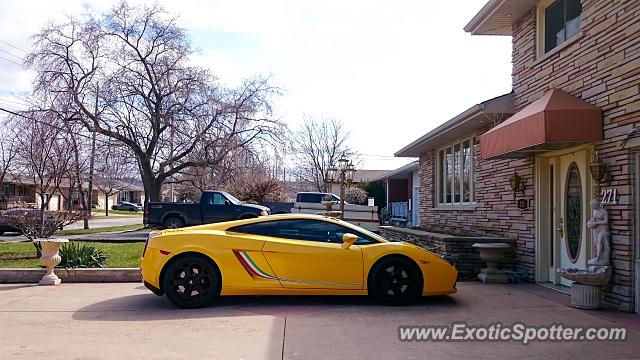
(5, 225)
(289, 255)
(214, 206)
(127, 206)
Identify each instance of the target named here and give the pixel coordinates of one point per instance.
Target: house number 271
(609, 196)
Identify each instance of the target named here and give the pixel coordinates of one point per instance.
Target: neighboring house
(359, 177)
(15, 193)
(575, 98)
(402, 195)
(21, 192)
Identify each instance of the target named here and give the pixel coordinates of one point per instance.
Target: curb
(10, 276)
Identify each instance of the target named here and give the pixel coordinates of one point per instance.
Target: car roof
(223, 226)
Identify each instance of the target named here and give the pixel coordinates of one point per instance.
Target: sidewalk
(115, 321)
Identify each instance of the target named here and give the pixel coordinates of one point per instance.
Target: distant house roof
(475, 118)
(367, 175)
(402, 172)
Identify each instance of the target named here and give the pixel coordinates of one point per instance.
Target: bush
(81, 255)
(356, 196)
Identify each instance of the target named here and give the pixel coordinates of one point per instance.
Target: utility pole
(91, 164)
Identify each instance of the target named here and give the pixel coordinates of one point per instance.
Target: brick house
(575, 98)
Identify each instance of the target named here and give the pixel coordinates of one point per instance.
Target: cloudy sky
(390, 70)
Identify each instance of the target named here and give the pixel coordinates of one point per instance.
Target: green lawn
(22, 255)
(100, 230)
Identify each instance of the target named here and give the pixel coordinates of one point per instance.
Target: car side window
(317, 230)
(267, 228)
(218, 199)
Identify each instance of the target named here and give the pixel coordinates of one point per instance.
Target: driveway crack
(284, 333)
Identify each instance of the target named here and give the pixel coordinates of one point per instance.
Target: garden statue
(586, 289)
(601, 236)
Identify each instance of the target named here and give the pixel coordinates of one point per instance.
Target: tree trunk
(152, 191)
(90, 185)
(106, 204)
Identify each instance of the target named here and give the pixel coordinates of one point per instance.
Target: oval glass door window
(573, 215)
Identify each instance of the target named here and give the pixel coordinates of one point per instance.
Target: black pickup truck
(214, 206)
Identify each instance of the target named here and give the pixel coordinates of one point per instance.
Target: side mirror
(227, 203)
(348, 240)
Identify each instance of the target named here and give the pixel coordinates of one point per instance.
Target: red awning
(555, 121)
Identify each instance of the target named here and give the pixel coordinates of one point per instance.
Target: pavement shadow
(148, 307)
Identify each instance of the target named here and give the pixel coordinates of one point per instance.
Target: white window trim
(540, 35)
(439, 191)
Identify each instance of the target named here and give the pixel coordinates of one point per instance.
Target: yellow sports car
(289, 255)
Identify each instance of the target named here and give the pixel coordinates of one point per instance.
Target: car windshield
(231, 198)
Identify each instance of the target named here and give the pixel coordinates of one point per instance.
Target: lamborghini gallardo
(289, 255)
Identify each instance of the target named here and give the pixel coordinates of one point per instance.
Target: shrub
(356, 196)
(80, 255)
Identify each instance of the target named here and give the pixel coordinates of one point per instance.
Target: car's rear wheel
(395, 281)
(173, 222)
(191, 282)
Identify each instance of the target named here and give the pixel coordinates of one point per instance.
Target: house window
(455, 173)
(561, 22)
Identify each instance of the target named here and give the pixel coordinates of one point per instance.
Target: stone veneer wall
(495, 212)
(602, 66)
(457, 250)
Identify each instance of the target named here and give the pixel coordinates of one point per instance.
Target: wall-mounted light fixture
(598, 169)
(517, 183)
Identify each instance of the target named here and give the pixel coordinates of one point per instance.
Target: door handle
(560, 227)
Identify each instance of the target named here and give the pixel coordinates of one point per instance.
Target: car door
(308, 254)
(216, 208)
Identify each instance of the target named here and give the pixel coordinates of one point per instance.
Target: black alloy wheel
(191, 282)
(395, 281)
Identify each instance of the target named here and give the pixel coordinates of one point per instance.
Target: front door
(309, 254)
(569, 210)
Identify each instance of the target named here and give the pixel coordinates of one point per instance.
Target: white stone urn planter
(50, 258)
(492, 254)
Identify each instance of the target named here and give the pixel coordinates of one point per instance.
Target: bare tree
(114, 171)
(318, 143)
(8, 149)
(43, 153)
(128, 75)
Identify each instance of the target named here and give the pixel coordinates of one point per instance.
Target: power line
(13, 46)
(11, 61)
(14, 102)
(55, 126)
(10, 53)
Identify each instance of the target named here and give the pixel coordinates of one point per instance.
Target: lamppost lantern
(351, 169)
(331, 173)
(342, 163)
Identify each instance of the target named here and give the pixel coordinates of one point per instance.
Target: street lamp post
(344, 172)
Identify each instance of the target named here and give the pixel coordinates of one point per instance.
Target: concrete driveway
(116, 321)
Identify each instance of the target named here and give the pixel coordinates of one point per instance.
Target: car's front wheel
(191, 282)
(395, 281)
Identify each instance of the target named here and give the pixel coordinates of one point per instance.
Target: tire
(395, 281)
(191, 282)
(173, 222)
(1, 232)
